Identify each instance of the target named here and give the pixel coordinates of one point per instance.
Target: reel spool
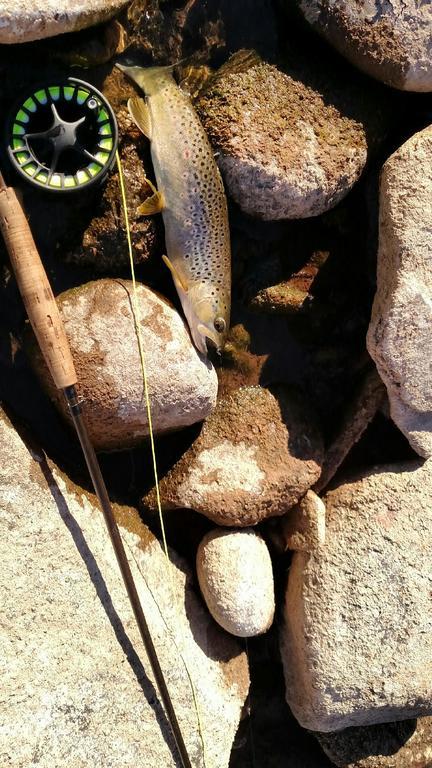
(63, 136)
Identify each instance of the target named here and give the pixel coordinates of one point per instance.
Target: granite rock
(389, 40)
(286, 150)
(236, 580)
(37, 19)
(399, 337)
(77, 688)
(407, 744)
(101, 332)
(357, 639)
(257, 454)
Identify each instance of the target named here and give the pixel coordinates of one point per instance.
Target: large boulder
(357, 636)
(36, 19)
(77, 688)
(399, 337)
(100, 328)
(390, 41)
(257, 454)
(286, 149)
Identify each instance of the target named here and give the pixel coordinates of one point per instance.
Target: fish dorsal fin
(140, 114)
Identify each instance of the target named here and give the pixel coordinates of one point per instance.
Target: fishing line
(137, 323)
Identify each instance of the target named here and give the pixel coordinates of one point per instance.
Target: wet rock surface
(236, 580)
(286, 149)
(73, 666)
(170, 31)
(389, 41)
(255, 457)
(99, 323)
(357, 632)
(38, 19)
(392, 745)
(399, 337)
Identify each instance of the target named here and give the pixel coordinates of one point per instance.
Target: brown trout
(191, 197)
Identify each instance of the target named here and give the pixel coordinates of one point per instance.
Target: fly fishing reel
(63, 136)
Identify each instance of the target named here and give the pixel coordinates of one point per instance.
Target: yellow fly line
(137, 322)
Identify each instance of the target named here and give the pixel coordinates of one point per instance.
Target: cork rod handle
(35, 289)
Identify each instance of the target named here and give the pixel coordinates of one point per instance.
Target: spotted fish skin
(195, 209)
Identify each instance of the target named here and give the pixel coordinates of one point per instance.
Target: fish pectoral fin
(153, 204)
(140, 114)
(176, 277)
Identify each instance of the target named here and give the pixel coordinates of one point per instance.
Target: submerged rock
(357, 639)
(37, 19)
(101, 332)
(102, 245)
(399, 337)
(390, 41)
(285, 149)
(77, 687)
(236, 579)
(172, 31)
(256, 456)
(292, 295)
(407, 744)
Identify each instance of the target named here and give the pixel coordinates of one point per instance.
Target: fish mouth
(209, 337)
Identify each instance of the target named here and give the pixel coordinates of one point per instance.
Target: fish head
(207, 319)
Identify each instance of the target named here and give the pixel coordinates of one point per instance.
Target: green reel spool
(63, 136)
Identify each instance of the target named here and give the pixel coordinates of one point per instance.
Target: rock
(77, 688)
(357, 640)
(292, 295)
(100, 328)
(285, 149)
(257, 454)
(38, 19)
(236, 579)
(389, 41)
(303, 528)
(399, 337)
(91, 48)
(359, 414)
(102, 243)
(199, 30)
(406, 744)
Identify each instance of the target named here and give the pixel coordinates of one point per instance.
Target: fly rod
(48, 327)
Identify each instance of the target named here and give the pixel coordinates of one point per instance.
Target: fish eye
(220, 324)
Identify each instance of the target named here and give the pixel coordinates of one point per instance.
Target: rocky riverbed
(293, 618)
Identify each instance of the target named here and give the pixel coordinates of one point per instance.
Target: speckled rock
(357, 636)
(236, 579)
(77, 687)
(100, 327)
(303, 528)
(407, 744)
(399, 337)
(389, 40)
(285, 150)
(256, 456)
(36, 19)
